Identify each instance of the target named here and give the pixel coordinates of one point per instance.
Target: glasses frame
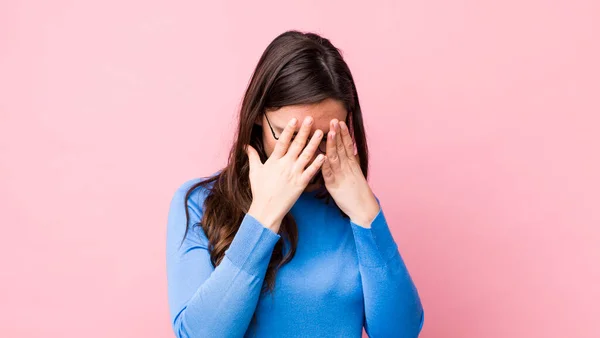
(319, 147)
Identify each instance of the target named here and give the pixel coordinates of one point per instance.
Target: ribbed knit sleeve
(392, 304)
(213, 302)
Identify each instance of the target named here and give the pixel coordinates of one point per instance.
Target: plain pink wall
(482, 118)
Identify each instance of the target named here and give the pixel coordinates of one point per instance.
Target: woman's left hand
(344, 178)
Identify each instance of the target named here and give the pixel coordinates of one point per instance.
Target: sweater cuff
(252, 246)
(375, 246)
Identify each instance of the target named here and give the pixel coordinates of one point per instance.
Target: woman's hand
(277, 184)
(344, 178)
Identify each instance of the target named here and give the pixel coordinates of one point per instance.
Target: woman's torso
(319, 290)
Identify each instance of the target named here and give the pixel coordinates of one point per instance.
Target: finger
(327, 172)
(313, 168)
(300, 139)
(332, 153)
(253, 157)
(339, 143)
(309, 151)
(283, 143)
(347, 141)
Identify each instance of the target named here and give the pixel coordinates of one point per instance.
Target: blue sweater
(343, 277)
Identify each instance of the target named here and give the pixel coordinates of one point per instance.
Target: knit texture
(343, 277)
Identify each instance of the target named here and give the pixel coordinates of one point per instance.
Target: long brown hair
(296, 68)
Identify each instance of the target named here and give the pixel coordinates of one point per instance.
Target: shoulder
(186, 210)
(195, 193)
(192, 194)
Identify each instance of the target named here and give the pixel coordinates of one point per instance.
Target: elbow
(402, 327)
(178, 325)
(417, 322)
(408, 330)
(188, 325)
(421, 321)
(179, 333)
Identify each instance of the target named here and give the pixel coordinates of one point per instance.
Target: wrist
(264, 216)
(366, 215)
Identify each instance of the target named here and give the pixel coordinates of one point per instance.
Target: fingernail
(293, 122)
(308, 121)
(332, 135)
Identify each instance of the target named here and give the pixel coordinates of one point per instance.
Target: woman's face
(322, 113)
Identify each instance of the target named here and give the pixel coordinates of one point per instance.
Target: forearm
(223, 302)
(392, 303)
(265, 215)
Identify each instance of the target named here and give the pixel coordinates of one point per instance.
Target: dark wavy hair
(296, 68)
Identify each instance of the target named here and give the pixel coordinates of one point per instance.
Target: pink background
(482, 118)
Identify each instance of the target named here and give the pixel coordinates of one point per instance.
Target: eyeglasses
(322, 146)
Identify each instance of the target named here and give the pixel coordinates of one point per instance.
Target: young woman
(288, 240)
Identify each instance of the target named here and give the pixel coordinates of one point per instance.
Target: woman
(288, 240)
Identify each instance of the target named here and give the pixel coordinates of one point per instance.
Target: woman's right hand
(277, 183)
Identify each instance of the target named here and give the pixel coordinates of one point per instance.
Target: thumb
(253, 157)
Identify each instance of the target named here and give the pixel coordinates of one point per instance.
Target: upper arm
(188, 260)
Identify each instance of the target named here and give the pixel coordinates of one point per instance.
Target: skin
(293, 165)
(321, 114)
